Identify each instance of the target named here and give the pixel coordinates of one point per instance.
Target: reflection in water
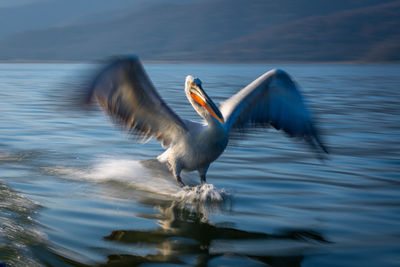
(185, 235)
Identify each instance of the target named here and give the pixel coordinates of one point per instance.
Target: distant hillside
(362, 34)
(213, 30)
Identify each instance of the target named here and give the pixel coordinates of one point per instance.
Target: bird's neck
(215, 136)
(214, 126)
(211, 121)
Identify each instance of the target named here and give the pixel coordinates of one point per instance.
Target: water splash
(203, 193)
(203, 200)
(134, 174)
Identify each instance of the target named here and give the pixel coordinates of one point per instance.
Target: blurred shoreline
(235, 62)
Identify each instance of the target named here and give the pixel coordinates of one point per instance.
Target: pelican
(124, 91)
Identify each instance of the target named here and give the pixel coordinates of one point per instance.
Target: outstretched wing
(124, 90)
(272, 99)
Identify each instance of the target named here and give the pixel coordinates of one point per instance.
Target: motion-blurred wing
(124, 90)
(272, 99)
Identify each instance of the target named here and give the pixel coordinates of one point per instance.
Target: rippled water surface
(73, 190)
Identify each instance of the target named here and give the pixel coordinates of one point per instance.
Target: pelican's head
(201, 102)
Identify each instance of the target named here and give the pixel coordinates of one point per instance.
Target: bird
(124, 90)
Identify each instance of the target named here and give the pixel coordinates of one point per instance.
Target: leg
(176, 171)
(179, 180)
(203, 179)
(202, 173)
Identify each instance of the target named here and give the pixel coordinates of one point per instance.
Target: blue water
(73, 190)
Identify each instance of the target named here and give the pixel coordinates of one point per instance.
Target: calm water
(73, 192)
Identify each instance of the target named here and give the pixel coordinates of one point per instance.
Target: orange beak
(199, 100)
(200, 97)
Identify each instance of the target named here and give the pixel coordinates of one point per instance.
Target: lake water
(73, 190)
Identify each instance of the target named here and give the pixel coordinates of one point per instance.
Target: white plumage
(124, 90)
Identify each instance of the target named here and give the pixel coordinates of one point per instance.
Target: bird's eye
(192, 84)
